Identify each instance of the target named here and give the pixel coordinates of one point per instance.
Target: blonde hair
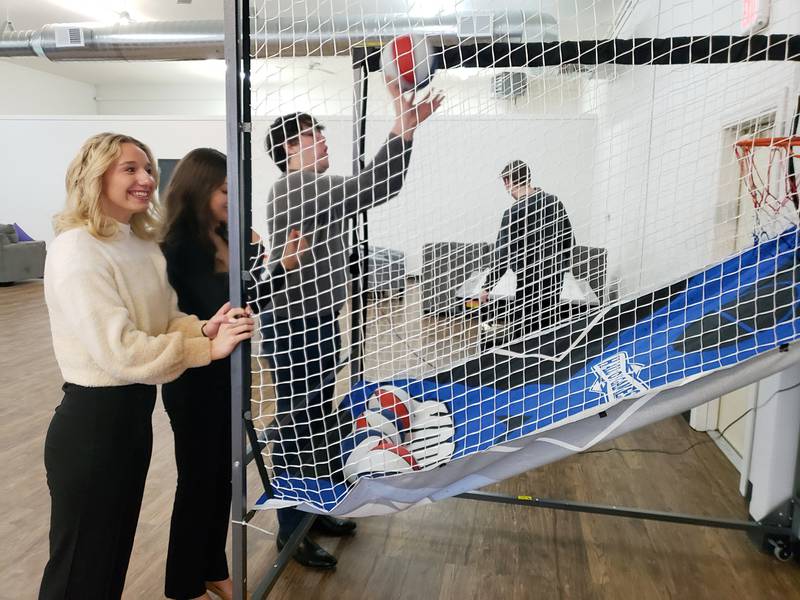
(84, 184)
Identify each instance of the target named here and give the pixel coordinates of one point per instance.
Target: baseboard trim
(727, 449)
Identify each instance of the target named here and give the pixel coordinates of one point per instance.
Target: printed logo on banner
(618, 378)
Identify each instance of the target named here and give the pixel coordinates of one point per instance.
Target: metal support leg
(283, 558)
(632, 513)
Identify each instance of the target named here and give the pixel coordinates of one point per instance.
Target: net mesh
(764, 169)
(465, 285)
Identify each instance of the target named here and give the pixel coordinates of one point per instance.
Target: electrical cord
(698, 443)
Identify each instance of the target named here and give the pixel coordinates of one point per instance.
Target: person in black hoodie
(535, 241)
(195, 245)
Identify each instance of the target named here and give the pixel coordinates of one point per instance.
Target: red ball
(409, 60)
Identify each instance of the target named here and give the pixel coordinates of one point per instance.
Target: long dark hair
(187, 212)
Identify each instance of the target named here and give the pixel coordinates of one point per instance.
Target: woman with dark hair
(117, 333)
(195, 244)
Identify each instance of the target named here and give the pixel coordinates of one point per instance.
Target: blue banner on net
(715, 319)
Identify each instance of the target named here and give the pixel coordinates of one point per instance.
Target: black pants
(96, 454)
(303, 355)
(536, 301)
(199, 412)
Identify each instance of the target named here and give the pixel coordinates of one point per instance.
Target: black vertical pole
(237, 111)
(359, 241)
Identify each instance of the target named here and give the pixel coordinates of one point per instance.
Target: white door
(736, 220)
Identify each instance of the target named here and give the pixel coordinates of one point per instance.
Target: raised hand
(411, 109)
(296, 246)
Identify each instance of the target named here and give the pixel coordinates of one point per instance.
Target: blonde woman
(117, 332)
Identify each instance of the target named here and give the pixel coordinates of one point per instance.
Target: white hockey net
(626, 183)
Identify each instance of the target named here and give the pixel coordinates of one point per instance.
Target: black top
(535, 237)
(201, 291)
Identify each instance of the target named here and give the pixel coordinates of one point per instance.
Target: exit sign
(755, 15)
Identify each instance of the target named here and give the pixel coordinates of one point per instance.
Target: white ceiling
(33, 14)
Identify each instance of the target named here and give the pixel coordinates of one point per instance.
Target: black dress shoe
(310, 554)
(328, 525)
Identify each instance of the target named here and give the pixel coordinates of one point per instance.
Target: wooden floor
(453, 549)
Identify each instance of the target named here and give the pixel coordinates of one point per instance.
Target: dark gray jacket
(535, 240)
(318, 206)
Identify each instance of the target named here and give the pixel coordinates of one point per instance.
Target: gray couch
(445, 266)
(591, 264)
(19, 260)
(387, 271)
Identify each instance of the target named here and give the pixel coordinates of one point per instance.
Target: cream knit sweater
(113, 315)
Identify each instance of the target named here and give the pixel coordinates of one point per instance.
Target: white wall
(162, 99)
(29, 177)
(633, 156)
(453, 191)
(33, 180)
(659, 147)
(327, 89)
(31, 92)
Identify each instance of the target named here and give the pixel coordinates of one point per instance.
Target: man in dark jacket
(535, 241)
(300, 328)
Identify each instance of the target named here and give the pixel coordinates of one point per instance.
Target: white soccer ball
(430, 438)
(383, 458)
(375, 419)
(394, 400)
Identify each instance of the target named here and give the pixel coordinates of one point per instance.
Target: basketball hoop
(771, 185)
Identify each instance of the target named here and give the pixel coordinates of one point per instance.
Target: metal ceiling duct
(321, 36)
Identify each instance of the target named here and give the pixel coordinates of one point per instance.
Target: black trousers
(535, 304)
(302, 354)
(96, 453)
(199, 412)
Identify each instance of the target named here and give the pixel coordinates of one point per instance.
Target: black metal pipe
(255, 453)
(364, 267)
(714, 49)
(284, 556)
(237, 111)
(357, 299)
(632, 513)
